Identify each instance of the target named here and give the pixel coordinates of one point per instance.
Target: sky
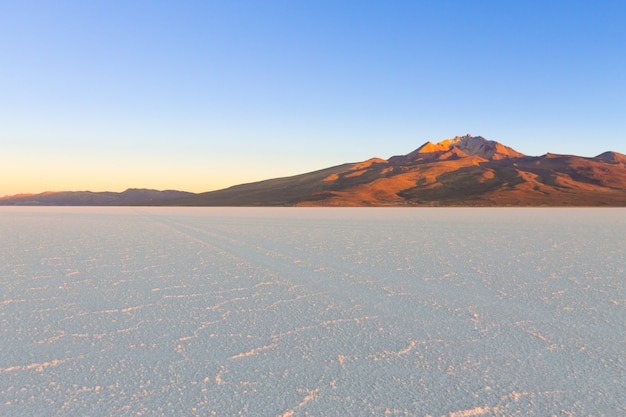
(200, 95)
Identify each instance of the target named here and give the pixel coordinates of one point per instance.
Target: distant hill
(462, 171)
(132, 196)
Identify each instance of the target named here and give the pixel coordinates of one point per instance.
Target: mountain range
(462, 171)
(130, 197)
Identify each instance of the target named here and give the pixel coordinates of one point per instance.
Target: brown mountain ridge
(462, 171)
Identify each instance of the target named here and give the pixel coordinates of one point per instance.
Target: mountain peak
(443, 146)
(613, 157)
(484, 148)
(468, 145)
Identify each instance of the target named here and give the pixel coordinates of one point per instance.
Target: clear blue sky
(199, 95)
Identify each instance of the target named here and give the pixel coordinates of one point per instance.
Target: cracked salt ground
(296, 312)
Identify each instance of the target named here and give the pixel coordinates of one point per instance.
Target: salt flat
(312, 312)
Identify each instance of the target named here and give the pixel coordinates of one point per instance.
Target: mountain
(132, 196)
(460, 146)
(463, 171)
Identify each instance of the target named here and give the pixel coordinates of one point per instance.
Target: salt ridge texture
(302, 312)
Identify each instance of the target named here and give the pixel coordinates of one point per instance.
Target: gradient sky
(199, 95)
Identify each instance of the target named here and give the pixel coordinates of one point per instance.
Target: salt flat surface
(312, 312)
